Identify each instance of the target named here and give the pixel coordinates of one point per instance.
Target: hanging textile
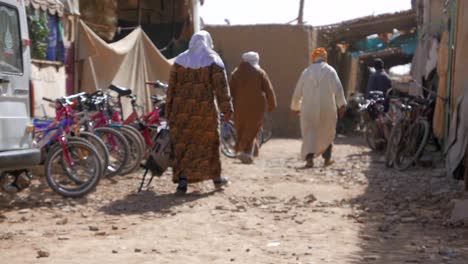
(38, 32)
(70, 69)
(460, 69)
(55, 47)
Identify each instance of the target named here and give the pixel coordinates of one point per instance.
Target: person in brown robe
(197, 79)
(252, 94)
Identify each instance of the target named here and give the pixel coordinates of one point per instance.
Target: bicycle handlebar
(48, 100)
(73, 96)
(158, 84)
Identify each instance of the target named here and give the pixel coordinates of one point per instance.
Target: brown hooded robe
(252, 94)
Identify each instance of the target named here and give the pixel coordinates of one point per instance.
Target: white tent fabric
(48, 81)
(129, 62)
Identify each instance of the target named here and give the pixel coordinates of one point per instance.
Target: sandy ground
(355, 211)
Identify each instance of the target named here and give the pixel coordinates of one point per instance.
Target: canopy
(129, 62)
(52, 6)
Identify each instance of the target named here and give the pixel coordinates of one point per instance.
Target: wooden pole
(300, 18)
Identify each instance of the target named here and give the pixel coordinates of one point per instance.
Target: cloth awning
(54, 7)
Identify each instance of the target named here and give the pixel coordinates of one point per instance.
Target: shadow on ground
(148, 201)
(38, 194)
(404, 215)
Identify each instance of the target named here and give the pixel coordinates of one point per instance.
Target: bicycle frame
(60, 127)
(145, 122)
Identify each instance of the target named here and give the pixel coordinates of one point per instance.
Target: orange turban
(319, 53)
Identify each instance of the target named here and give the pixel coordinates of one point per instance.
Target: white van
(15, 106)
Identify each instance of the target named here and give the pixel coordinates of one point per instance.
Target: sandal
(220, 182)
(182, 187)
(328, 162)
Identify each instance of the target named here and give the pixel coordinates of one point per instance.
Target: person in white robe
(317, 97)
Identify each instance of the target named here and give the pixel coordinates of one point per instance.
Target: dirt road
(356, 211)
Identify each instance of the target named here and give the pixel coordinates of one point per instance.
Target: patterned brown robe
(253, 94)
(193, 120)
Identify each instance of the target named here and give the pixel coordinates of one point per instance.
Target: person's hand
(342, 111)
(227, 116)
(296, 112)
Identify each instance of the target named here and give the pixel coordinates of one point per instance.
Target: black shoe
(182, 187)
(220, 182)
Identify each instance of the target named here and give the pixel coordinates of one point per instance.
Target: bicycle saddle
(376, 93)
(122, 91)
(157, 98)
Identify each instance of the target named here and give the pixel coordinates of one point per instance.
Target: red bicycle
(146, 125)
(73, 166)
(123, 143)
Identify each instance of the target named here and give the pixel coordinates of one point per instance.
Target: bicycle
(72, 167)
(378, 124)
(148, 124)
(411, 133)
(228, 137)
(69, 125)
(104, 122)
(116, 144)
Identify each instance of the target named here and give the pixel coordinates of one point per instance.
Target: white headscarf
(252, 57)
(200, 53)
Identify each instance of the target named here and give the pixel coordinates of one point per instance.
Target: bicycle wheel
(267, 129)
(141, 139)
(412, 145)
(67, 169)
(371, 135)
(228, 139)
(393, 143)
(99, 145)
(135, 151)
(118, 147)
(81, 160)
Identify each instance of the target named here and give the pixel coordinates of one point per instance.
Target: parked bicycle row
(88, 139)
(400, 127)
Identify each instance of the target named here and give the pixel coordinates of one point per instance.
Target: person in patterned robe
(197, 80)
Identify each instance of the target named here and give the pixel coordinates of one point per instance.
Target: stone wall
(284, 53)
